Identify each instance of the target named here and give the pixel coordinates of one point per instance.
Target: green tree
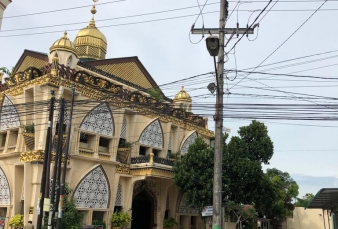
(7, 71)
(286, 189)
(71, 216)
(241, 212)
(243, 177)
(156, 94)
(303, 202)
(193, 174)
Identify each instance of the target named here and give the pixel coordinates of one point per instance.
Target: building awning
(326, 198)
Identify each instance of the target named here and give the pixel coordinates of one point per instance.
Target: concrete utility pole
(217, 192)
(217, 189)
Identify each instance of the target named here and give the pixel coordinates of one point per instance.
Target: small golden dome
(182, 96)
(90, 42)
(64, 44)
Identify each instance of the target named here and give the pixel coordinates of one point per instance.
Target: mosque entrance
(142, 211)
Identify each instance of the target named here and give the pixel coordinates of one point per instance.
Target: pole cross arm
(226, 31)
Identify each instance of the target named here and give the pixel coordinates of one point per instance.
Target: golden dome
(64, 44)
(90, 42)
(182, 96)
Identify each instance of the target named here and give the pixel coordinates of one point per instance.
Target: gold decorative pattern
(152, 172)
(35, 155)
(29, 140)
(86, 153)
(20, 77)
(127, 71)
(31, 61)
(114, 101)
(123, 169)
(104, 156)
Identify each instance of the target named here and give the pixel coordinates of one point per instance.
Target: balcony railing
(151, 159)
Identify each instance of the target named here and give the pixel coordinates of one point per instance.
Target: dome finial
(65, 35)
(93, 11)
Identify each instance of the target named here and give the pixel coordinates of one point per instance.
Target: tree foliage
(17, 220)
(71, 216)
(156, 94)
(243, 178)
(286, 189)
(303, 202)
(7, 71)
(241, 212)
(194, 174)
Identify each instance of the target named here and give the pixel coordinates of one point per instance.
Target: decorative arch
(99, 120)
(9, 115)
(118, 199)
(93, 190)
(184, 208)
(152, 135)
(188, 141)
(5, 194)
(150, 186)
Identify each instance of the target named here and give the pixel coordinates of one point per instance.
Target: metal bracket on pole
(226, 31)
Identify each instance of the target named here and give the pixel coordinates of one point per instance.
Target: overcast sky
(305, 149)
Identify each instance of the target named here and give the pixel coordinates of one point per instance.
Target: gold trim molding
(30, 156)
(99, 95)
(123, 169)
(152, 172)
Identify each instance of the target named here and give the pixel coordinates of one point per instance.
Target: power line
(283, 41)
(107, 19)
(60, 10)
(107, 26)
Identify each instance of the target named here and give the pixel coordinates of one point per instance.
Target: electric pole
(217, 191)
(63, 180)
(212, 45)
(58, 156)
(45, 178)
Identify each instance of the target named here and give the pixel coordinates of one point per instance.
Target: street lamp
(212, 45)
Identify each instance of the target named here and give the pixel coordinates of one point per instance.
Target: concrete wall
(309, 218)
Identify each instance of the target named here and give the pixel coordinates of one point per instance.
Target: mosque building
(122, 136)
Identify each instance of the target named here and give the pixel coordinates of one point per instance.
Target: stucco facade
(112, 105)
(98, 127)
(308, 218)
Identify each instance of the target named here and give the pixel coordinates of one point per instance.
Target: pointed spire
(93, 11)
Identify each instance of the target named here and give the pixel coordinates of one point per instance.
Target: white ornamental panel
(190, 140)
(5, 195)
(93, 190)
(124, 129)
(169, 143)
(99, 120)
(184, 208)
(118, 200)
(152, 135)
(9, 115)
